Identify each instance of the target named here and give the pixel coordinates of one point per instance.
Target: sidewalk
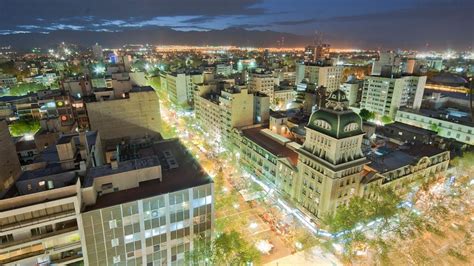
(314, 256)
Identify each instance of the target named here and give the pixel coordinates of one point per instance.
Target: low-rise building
(330, 168)
(448, 123)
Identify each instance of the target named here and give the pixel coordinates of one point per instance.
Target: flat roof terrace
(187, 173)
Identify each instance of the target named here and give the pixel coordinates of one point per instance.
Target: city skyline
(404, 24)
(224, 132)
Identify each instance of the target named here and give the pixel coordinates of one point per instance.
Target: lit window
(113, 224)
(115, 242)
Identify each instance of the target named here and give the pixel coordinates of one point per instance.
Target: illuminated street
(246, 217)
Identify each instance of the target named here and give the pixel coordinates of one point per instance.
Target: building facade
(137, 115)
(385, 95)
(321, 75)
(462, 131)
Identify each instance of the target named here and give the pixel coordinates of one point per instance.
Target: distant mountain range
(162, 36)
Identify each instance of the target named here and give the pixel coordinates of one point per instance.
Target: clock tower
(330, 161)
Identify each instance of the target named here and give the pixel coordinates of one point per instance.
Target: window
(6, 238)
(113, 224)
(116, 259)
(115, 242)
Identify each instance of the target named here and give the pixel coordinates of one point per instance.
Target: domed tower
(331, 158)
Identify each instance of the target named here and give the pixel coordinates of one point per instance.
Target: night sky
(438, 24)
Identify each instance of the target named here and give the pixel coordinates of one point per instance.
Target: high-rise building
(9, 163)
(385, 95)
(262, 82)
(321, 75)
(146, 208)
(180, 86)
(231, 107)
(136, 115)
(40, 213)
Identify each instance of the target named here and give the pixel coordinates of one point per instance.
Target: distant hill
(162, 35)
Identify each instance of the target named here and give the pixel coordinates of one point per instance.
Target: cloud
(16, 12)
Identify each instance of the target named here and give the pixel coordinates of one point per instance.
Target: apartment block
(136, 115)
(385, 95)
(180, 85)
(320, 74)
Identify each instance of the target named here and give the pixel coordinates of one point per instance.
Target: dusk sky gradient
(361, 23)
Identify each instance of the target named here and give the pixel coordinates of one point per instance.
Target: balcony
(37, 220)
(69, 256)
(66, 228)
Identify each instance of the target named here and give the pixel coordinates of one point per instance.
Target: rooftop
(449, 115)
(187, 174)
(268, 143)
(385, 159)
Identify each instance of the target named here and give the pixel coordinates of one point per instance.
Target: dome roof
(336, 124)
(336, 120)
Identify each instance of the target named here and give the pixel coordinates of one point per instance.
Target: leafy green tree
(386, 119)
(22, 127)
(226, 249)
(435, 128)
(366, 114)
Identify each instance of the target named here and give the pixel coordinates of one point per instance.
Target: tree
(435, 128)
(386, 119)
(366, 114)
(22, 127)
(226, 249)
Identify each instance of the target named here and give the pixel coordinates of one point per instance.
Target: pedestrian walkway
(314, 256)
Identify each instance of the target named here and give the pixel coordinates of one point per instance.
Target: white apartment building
(224, 69)
(385, 95)
(262, 82)
(445, 125)
(321, 75)
(353, 90)
(180, 86)
(219, 113)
